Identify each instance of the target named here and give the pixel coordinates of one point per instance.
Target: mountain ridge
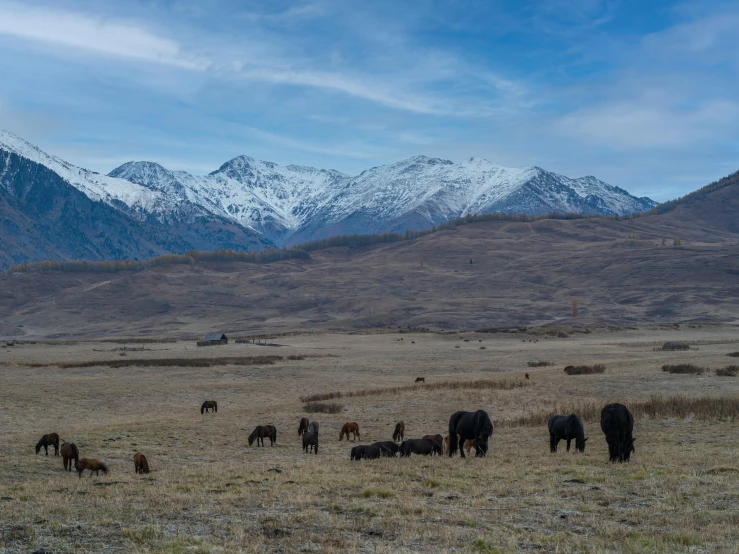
(249, 203)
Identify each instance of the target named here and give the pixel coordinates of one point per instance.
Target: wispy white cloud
(637, 125)
(132, 41)
(92, 34)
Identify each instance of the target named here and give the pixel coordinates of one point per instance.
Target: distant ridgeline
(299, 251)
(724, 182)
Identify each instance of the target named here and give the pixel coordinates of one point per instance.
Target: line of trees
(296, 252)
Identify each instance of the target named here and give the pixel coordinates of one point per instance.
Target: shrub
(540, 364)
(585, 369)
(675, 346)
(323, 407)
(702, 408)
(729, 371)
(684, 369)
(478, 384)
(165, 362)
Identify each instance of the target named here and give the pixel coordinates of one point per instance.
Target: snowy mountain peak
(294, 203)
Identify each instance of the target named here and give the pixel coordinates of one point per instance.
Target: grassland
(209, 491)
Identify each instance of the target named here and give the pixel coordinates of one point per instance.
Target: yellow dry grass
(209, 491)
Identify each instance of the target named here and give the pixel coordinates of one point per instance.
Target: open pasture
(209, 491)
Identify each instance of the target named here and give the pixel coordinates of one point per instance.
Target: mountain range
(53, 209)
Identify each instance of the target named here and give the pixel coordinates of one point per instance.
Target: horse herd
(467, 430)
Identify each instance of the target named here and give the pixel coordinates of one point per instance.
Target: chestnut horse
(350, 427)
(92, 464)
(69, 453)
(52, 439)
(261, 431)
(209, 405)
(140, 464)
(303, 427)
(399, 431)
(436, 438)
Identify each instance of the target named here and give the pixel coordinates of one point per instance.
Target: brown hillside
(521, 274)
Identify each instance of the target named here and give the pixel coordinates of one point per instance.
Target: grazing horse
(92, 464)
(424, 447)
(140, 464)
(209, 405)
(303, 426)
(310, 440)
(366, 452)
(387, 448)
(350, 427)
(566, 428)
(313, 428)
(399, 432)
(469, 425)
(261, 431)
(437, 438)
(420, 379)
(617, 424)
(69, 453)
(52, 439)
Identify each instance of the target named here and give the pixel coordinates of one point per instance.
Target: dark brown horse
(69, 453)
(303, 427)
(436, 438)
(261, 431)
(420, 379)
(140, 463)
(52, 439)
(399, 431)
(92, 464)
(209, 405)
(350, 427)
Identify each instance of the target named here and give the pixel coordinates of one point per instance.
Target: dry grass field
(209, 491)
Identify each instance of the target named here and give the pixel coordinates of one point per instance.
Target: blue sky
(644, 95)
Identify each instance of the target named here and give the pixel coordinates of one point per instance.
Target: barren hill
(492, 274)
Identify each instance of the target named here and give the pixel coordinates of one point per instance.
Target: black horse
(50, 439)
(211, 405)
(313, 428)
(310, 440)
(366, 452)
(388, 448)
(423, 447)
(566, 428)
(261, 431)
(617, 424)
(470, 425)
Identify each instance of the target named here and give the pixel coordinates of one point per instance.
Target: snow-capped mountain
(291, 204)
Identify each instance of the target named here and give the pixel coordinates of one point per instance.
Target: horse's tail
(274, 433)
(452, 439)
(75, 453)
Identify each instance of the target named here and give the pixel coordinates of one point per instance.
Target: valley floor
(210, 491)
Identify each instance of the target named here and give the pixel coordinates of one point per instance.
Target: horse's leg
(46, 449)
(461, 447)
(552, 443)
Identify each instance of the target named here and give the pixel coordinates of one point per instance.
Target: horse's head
(252, 437)
(580, 444)
(481, 445)
(39, 444)
(628, 449)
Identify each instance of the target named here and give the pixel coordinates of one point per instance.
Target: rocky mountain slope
(251, 204)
